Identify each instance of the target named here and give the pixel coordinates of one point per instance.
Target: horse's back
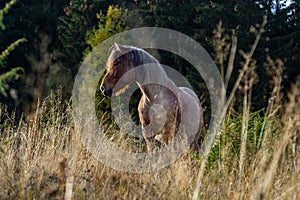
(190, 92)
(191, 111)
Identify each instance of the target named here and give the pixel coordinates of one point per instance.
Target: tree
(282, 36)
(37, 22)
(109, 24)
(198, 19)
(14, 72)
(79, 18)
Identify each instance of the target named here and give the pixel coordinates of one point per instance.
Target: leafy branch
(9, 49)
(13, 73)
(5, 11)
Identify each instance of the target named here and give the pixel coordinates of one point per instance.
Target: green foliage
(79, 18)
(284, 36)
(110, 24)
(74, 27)
(198, 19)
(5, 11)
(228, 143)
(13, 73)
(9, 49)
(28, 18)
(6, 77)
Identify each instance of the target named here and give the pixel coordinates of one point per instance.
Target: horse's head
(121, 59)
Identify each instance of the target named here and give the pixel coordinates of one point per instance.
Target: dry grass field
(256, 155)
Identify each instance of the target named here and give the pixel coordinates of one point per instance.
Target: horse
(163, 106)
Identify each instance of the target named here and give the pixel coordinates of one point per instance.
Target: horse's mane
(136, 55)
(153, 72)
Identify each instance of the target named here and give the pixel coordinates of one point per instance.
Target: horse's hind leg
(172, 124)
(149, 138)
(195, 145)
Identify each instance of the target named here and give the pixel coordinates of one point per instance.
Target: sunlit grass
(40, 157)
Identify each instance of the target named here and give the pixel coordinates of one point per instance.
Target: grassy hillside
(256, 154)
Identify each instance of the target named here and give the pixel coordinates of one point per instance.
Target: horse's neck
(154, 82)
(150, 91)
(156, 92)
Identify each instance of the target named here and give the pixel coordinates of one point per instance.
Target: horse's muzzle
(106, 92)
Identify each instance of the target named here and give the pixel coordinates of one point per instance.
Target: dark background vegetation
(59, 33)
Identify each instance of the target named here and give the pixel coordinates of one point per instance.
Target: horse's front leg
(149, 137)
(172, 124)
(145, 121)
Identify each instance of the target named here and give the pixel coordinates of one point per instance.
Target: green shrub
(13, 73)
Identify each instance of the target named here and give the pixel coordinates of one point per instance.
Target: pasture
(44, 159)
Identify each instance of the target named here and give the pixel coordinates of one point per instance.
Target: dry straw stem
(275, 70)
(249, 80)
(50, 162)
(209, 142)
(291, 124)
(248, 58)
(33, 147)
(231, 60)
(221, 47)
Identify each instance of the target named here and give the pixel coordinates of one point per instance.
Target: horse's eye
(117, 62)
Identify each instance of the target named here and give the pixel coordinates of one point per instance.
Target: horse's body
(163, 105)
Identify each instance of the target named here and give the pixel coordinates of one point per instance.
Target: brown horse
(163, 107)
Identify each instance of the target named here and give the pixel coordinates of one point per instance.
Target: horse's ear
(120, 48)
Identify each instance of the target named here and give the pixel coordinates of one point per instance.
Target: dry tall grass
(43, 159)
(256, 155)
